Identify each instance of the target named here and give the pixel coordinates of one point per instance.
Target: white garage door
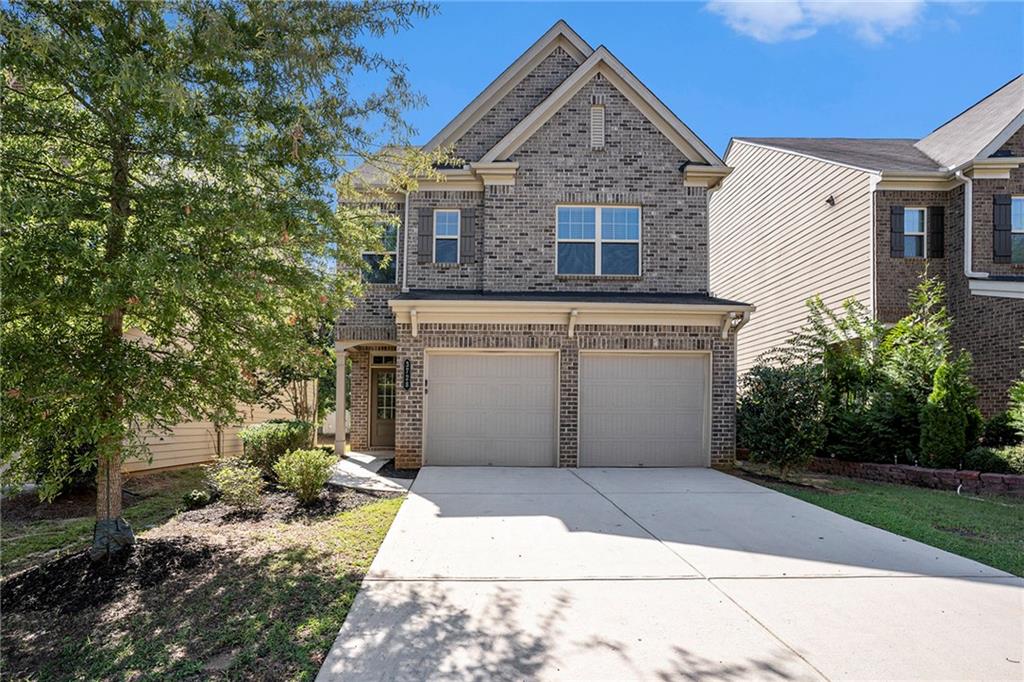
(643, 409)
(491, 408)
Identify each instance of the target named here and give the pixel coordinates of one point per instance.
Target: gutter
(969, 228)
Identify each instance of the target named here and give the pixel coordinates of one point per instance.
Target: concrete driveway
(501, 573)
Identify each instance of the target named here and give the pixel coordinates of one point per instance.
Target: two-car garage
(502, 408)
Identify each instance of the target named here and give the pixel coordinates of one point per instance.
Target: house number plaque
(406, 374)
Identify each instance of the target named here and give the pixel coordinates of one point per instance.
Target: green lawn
(266, 603)
(159, 497)
(987, 529)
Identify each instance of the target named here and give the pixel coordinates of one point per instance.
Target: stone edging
(905, 474)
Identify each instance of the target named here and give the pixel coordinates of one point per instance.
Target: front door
(382, 407)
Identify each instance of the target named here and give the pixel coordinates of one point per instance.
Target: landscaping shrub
(266, 443)
(1016, 410)
(196, 499)
(305, 472)
(239, 483)
(947, 417)
(779, 416)
(1004, 460)
(999, 431)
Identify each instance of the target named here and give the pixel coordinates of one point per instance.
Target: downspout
(405, 245)
(969, 228)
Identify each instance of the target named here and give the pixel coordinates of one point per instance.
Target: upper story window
(914, 222)
(381, 266)
(598, 240)
(446, 235)
(1017, 230)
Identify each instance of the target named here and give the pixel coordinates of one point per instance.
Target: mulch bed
(390, 471)
(70, 583)
(277, 505)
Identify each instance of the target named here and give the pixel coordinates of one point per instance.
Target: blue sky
(790, 68)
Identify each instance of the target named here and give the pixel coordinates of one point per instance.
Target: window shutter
(896, 232)
(597, 127)
(1001, 238)
(467, 236)
(936, 232)
(425, 243)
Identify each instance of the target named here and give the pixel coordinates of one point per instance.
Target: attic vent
(597, 127)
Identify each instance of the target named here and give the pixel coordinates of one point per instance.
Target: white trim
(602, 61)
(598, 240)
(708, 390)
(457, 237)
(995, 287)
(1004, 135)
(559, 35)
(923, 234)
(425, 387)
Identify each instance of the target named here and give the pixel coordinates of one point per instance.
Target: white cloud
(774, 21)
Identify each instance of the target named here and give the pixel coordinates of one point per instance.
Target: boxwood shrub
(268, 442)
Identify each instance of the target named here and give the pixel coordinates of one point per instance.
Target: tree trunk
(112, 533)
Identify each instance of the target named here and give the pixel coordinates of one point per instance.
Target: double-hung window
(598, 240)
(1017, 230)
(446, 236)
(381, 265)
(914, 224)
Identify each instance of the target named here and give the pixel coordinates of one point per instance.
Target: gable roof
(874, 155)
(604, 62)
(560, 35)
(979, 131)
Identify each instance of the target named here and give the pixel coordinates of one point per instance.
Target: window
(1017, 230)
(446, 236)
(914, 221)
(598, 240)
(381, 265)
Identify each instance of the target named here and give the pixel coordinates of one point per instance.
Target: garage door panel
(643, 410)
(494, 408)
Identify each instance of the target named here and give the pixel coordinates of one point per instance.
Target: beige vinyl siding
(191, 443)
(775, 242)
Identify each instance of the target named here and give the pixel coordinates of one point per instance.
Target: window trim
(457, 237)
(598, 240)
(923, 234)
(1015, 230)
(393, 254)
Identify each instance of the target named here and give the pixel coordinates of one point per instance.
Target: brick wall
(514, 107)
(359, 399)
(896, 277)
(409, 425)
(445, 275)
(941, 479)
(983, 219)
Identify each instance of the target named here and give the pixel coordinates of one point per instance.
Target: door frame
(371, 406)
(708, 375)
(425, 385)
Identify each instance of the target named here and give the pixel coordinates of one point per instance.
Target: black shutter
(467, 236)
(896, 232)
(936, 232)
(425, 243)
(1001, 237)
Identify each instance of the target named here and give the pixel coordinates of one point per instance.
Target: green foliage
(196, 499)
(916, 345)
(178, 180)
(305, 472)
(999, 431)
(1008, 459)
(239, 484)
(780, 414)
(946, 417)
(1016, 411)
(268, 442)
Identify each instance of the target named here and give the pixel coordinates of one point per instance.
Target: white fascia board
(999, 140)
(604, 62)
(998, 288)
(559, 35)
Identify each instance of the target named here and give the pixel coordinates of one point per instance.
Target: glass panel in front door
(386, 395)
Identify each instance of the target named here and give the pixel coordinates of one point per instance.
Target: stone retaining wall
(942, 479)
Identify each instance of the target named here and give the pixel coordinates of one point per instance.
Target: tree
(171, 210)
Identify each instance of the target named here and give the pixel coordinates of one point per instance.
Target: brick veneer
(409, 426)
(359, 397)
(942, 479)
(444, 275)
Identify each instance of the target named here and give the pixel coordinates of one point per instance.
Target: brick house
(547, 303)
(951, 203)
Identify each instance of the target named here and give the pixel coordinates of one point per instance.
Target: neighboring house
(864, 218)
(547, 304)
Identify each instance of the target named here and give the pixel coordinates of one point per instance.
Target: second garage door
(643, 409)
(491, 408)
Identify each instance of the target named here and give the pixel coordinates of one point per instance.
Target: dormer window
(598, 240)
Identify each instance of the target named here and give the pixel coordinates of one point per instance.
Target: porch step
(354, 474)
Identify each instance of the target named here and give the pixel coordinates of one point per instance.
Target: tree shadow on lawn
(269, 616)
